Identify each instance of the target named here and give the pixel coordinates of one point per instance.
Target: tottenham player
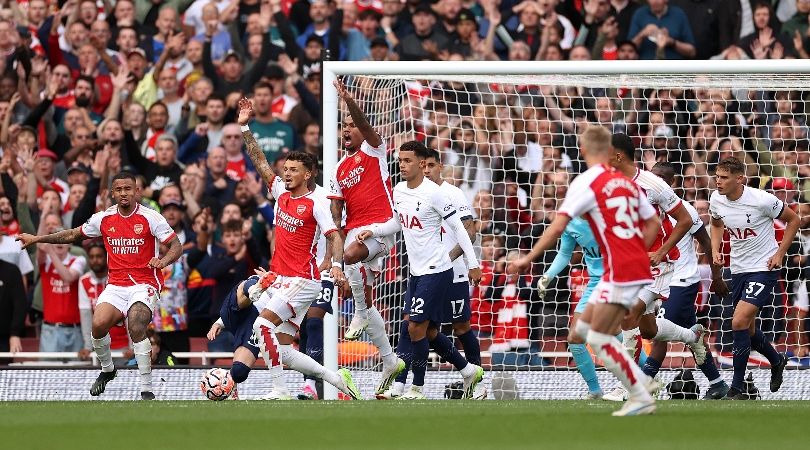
(362, 184)
(132, 234)
(625, 225)
(238, 314)
(748, 214)
(294, 278)
(641, 321)
(458, 310)
(421, 206)
(680, 306)
(577, 232)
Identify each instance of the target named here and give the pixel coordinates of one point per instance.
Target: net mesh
(510, 143)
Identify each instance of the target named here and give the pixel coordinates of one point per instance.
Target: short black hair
(417, 147)
(215, 96)
(87, 79)
(733, 165)
(669, 168)
(624, 144)
(433, 153)
(304, 158)
(232, 226)
(124, 175)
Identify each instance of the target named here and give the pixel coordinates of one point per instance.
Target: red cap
(778, 184)
(45, 153)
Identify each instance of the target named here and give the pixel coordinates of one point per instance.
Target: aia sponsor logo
(409, 221)
(741, 233)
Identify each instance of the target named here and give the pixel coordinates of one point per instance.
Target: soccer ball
(217, 384)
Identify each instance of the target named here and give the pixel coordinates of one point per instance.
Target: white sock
(376, 332)
(716, 381)
(102, 349)
(668, 331)
(631, 339)
(269, 347)
(468, 370)
(609, 350)
(301, 362)
(358, 286)
(398, 388)
(143, 355)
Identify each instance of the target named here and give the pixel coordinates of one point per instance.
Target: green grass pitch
(768, 425)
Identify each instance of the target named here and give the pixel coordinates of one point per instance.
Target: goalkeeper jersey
(578, 232)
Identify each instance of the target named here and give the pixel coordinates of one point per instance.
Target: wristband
(338, 264)
(244, 128)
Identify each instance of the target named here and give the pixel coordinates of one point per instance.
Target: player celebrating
(294, 280)
(422, 206)
(625, 225)
(577, 232)
(642, 321)
(131, 235)
(458, 311)
(363, 185)
(680, 306)
(238, 314)
(748, 214)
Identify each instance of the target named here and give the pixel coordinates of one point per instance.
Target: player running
(748, 215)
(680, 306)
(363, 185)
(422, 206)
(239, 313)
(457, 311)
(577, 232)
(132, 236)
(294, 279)
(625, 225)
(641, 322)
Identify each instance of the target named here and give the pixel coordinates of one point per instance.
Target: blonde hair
(596, 139)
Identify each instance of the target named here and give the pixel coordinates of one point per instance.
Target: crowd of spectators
(89, 88)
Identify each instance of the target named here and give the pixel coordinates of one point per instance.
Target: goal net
(509, 141)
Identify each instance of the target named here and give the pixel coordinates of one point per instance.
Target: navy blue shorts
(457, 310)
(240, 322)
(324, 300)
(755, 288)
(427, 295)
(680, 306)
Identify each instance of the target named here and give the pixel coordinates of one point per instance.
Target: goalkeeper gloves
(542, 285)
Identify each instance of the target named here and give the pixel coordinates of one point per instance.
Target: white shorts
(123, 297)
(378, 247)
(659, 289)
(800, 297)
(289, 298)
(624, 295)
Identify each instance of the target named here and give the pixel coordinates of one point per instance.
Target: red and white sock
(618, 362)
(270, 349)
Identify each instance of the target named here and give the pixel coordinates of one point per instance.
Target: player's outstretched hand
(719, 287)
(338, 276)
(542, 285)
(245, 111)
(775, 261)
(475, 276)
(363, 235)
(656, 258)
(155, 263)
(214, 331)
(718, 259)
(84, 354)
(260, 271)
(26, 239)
(342, 91)
(519, 265)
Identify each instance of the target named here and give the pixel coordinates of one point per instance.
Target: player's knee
(239, 371)
(354, 253)
(431, 334)
(580, 333)
(416, 331)
(648, 331)
(461, 328)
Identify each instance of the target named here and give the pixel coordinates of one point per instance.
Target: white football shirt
(465, 211)
(658, 192)
(420, 212)
(749, 222)
(686, 271)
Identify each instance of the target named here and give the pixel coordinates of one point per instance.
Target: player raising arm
(421, 205)
(748, 214)
(132, 236)
(625, 225)
(362, 185)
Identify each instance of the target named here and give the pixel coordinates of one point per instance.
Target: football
(217, 384)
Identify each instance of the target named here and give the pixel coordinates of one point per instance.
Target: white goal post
(567, 95)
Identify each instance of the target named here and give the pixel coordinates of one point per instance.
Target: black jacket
(13, 304)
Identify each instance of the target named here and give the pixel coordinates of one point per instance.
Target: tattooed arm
(253, 150)
(60, 237)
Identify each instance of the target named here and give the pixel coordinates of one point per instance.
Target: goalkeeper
(576, 232)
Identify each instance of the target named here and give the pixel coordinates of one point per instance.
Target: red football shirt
(60, 300)
(299, 224)
(131, 241)
(614, 207)
(363, 182)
